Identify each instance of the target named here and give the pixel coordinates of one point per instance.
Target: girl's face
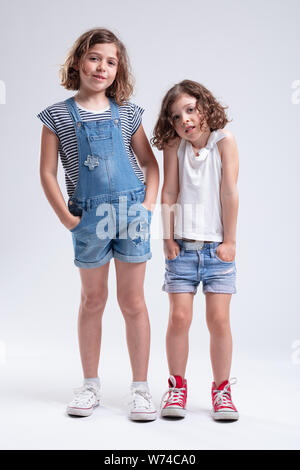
(98, 67)
(186, 118)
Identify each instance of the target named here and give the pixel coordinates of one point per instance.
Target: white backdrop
(247, 54)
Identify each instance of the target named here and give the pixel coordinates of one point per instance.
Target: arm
(169, 196)
(148, 164)
(229, 196)
(48, 175)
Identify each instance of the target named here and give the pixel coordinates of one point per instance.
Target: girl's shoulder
(55, 111)
(57, 107)
(55, 115)
(131, 116)
(227, 139)
(174, 144)
(131, 108)
(227, 146)
(228, 134)
(173, 150)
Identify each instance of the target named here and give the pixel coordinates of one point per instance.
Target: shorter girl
(200, 176)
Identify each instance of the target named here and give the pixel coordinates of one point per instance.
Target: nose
(101, 66)
(185, 118)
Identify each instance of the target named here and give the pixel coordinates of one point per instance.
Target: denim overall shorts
(108, 196)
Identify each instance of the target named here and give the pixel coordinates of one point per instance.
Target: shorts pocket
(173, 259)
(145, 209)
(221, 261)
(79, 225)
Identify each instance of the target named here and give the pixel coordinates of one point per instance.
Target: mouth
(100, 78)
(189, 129)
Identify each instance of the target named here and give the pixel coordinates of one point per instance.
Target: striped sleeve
(136, 117)
(47, 120)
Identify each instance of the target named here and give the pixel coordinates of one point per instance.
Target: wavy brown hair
(122, 87)
(212, 112)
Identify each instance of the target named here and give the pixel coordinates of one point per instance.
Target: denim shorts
(112, 227)
(195, 263)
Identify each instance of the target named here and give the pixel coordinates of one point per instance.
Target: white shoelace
(85, 396)
(140, 399)
(222, 397)
(176, 394)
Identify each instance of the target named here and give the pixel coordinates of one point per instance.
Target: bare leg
(218, 322)
(93, 300)
(177, 340)
(130, 292)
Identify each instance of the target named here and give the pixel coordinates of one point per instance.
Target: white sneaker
(86, 399)
(141, 406)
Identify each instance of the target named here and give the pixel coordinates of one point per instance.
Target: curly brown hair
(122, 87)
(212, 112)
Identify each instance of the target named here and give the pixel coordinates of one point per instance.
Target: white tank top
(198, 213)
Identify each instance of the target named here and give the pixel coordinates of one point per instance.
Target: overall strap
(73, 110)
(114, 109)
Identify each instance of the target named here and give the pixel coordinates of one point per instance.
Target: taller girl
(98, 134)
(200, 175)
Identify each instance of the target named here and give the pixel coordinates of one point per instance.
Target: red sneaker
(223, 408)
(174, 400)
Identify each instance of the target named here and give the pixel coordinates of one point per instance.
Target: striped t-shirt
(57, 118)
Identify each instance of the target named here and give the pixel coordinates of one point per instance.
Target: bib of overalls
(108, 195)
(104, 167)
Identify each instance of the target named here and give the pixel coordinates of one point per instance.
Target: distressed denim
(194, 264)
(108, 196)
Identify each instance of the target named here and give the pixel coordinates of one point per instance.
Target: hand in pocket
(226, 252)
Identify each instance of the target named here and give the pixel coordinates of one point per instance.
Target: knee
(218, 323)
(180, 319)
(93, 301)
(131, 305)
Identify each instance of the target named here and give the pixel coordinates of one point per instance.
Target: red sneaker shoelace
(176, 393)
(221, 396)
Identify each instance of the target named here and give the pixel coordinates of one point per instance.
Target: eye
(175, 118)
(112, 63)
(93, 58)
(191, 110)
